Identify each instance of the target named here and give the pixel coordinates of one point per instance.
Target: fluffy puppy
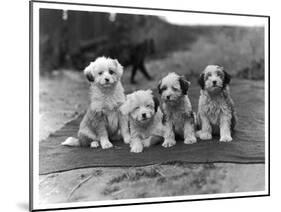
(145, 119)
(180, 119)
(103, 119)
(216, 114)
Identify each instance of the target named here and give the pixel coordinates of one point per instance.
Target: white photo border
(34, 7)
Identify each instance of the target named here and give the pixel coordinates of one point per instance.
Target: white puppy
(103, 119)
(145, 119)
(177, 109)
(216, 113)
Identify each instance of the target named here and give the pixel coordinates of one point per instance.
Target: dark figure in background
(137, 57)
(128, 54)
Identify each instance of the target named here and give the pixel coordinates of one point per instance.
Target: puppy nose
(214, 82)
(144, 115)
(106, 79)
(168, 97)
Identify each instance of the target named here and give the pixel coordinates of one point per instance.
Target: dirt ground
(64, 95)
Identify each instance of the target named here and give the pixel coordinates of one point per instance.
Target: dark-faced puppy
(216, 114)
(177, 109)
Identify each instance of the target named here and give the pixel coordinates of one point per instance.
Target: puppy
(103, 119)
(145, 119)
(177, 108)
(216, 114)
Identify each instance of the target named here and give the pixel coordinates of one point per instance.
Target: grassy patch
(135, 175)
(110, 189)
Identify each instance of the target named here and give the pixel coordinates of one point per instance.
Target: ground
(64, 95)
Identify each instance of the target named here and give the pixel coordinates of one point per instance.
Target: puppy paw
(127, 139)
(106, 145)
(136, 147)
(226, 138)
(146, 142)
(168, 143)
(204, 135)
(94, 144)
(190, 140)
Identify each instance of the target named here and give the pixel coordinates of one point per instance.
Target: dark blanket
(247, 146)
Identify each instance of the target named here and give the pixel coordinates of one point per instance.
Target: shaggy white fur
(103, 119)
(216, 114)
(177, 108)
(145, 119)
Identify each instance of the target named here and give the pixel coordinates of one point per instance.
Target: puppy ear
(201, 81)
(159, 87)
(184, 84)
(88, 74)
(118, 66)
(227, 78)
(156, 103)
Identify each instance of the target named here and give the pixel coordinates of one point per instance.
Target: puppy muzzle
(106, 82)
(144, 118)
(169, 99)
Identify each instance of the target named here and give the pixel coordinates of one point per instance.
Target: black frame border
(31, 195)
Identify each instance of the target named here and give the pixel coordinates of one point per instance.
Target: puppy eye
(164, 88)
(100, 73)
(111, 72)
(219, 73)
(175, 89)
(149, 105)
(208, 75)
